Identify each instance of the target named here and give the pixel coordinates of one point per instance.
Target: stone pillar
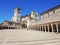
(31, 28)
(52, 27)
(8, 27)
(48, 27)
(57, 27)
(42, 27)
(34, 28)
(37, 28)
(45, 27)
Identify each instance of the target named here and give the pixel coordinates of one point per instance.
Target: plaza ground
(30, 37)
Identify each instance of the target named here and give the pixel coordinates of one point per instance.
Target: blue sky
(7, 7)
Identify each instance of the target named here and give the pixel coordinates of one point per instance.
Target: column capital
(47, 24)
(51, 24)
(40, 25)
(44, 25)
(56, 23)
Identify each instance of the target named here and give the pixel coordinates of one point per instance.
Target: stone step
(34, 42)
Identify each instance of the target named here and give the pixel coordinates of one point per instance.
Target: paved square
(30, 37)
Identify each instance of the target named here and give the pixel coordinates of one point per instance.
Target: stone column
(34, 28)
(31, 28)
(45, 27)
(57, 27)
(8, 27)
(48, 27)
(52, 27)
(42, 27)
(37, 28)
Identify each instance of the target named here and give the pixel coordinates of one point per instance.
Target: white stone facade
(34, 15)
(50, 21)
(17, 15)
(50, 13)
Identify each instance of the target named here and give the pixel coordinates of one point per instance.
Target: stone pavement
(30, 37)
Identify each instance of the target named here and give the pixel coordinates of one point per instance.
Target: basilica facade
(49, 22)
(19, 22)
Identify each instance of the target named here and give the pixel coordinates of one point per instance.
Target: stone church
(19, 22)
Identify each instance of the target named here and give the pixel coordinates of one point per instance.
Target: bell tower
(17, 15)
(34, 14)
